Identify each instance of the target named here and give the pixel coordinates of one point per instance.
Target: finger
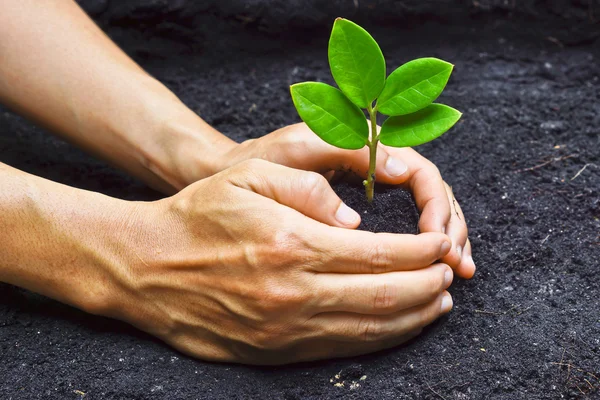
(341, 349)
(318, 348)
(381, 293)
(423, 179)
(324, 348)
(306, 192)
(361, 252)
(466, 268)
(300, 148)
(352, 327)
(456, 229)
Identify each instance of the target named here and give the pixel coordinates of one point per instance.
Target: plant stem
(370, 182)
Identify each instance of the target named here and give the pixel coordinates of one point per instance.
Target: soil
(523, 162)
(393, 209)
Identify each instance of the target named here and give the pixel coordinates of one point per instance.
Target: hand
(297, 147)
(256, 264)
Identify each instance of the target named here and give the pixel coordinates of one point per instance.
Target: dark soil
(527, 326)
(393, 209)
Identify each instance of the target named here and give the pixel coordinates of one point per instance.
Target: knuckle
(378, 258)
(293, 134)
(277, 299)
(432, 169)
(265, 338)
(282, 250)
(285, 297)
(428, 171)
(277, 247)
(285, 243)
(315, 186)
(385, 298)
(314, 182)
(293, 247)
(293, 141)
(371, 329)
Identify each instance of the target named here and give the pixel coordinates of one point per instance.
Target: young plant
(358, 68)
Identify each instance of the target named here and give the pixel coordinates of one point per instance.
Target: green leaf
(414, 86)
(356, 62)
(418, 128)
(330, 115)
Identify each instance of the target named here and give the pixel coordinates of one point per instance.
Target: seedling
(406, 96)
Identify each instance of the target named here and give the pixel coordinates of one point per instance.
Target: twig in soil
(514, 307)
(555, 41)
(582, 169)
(589, 384)
(447, 368)
(460, 386)
(563, 355)
(580, 370)
(553, 160)
(571, 367)
(434, 392)
(544, 241)
(245, 19)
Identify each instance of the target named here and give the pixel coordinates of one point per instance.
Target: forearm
(60, 69)
(62, 242)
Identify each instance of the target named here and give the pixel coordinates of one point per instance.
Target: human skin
(249, 261)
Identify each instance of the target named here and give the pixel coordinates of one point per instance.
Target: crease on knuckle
(370, 329)
(378, 258)
(385, 298)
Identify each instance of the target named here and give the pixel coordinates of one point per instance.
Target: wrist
(192, 150)
(177, 146)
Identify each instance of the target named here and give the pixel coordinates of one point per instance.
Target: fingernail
(446, 303)
(345, 215)
(445, 248)
(459, 251)
(448, 276)
(395, 167)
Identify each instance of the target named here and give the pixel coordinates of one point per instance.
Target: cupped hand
(297, 147)
(256, 264)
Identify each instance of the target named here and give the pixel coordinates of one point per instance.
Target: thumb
(306, 192)
(298, 147)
